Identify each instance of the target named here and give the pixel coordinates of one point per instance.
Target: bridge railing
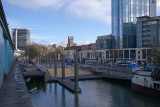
(119, 69)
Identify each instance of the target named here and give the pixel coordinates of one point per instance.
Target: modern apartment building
(105, 42)
(21, 38)
(6, 47)
(148, 31)
(91, 46)
(124, 18)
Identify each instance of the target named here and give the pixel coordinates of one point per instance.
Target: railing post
(55, 65)
(63, 68)
(76, 71)
(46, 61)
(50, 61)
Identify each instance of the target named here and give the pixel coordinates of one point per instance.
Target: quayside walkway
(14, 92)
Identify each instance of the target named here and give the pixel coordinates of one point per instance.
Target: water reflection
(76, 100)
(63, 97)
(55, 93)
(95, 93)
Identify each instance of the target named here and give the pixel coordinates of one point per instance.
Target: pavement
(14, 92)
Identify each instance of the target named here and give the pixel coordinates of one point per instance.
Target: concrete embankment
(14, 92)
(112, 72)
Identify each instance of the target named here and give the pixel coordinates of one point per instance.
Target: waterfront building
(70, 41)
(69, 52)
(148, 31)
(124, 18)
(91, 46)
(105, 42)
(139, 55)
(6, 51)
(21, 38)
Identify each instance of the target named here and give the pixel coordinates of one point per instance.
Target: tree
(153, 56)
(36, 50)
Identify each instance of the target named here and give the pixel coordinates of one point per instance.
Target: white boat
(144, 82)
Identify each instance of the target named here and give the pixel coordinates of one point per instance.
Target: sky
(52, 21)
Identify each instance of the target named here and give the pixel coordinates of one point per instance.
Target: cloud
(44, 42)
(37, 4)
(91, 9)
(86, 42)
(52, 43)
(42, 39)
(158, 4)
(64, 43)
(12, 22)
(99, 10)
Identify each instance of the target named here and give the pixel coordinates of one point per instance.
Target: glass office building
(124, 17)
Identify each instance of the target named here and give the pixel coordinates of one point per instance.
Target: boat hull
(144, 90)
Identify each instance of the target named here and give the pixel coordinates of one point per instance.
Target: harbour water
(95, 93)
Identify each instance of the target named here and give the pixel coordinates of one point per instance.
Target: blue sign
(69, 62)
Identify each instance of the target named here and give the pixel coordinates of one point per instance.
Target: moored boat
(144, 82)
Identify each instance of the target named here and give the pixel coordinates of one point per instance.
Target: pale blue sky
(52, 21)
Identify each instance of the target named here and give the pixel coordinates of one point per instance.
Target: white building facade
(139, 55)
(69, 54)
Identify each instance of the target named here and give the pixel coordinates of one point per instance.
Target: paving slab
(14, 92)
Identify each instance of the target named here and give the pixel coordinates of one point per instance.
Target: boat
(130, 64)
(146, 83)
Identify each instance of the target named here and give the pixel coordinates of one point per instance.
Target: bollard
(63, 68)
(55, 65)
(76, 71)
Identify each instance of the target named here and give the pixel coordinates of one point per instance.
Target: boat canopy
(133, 65)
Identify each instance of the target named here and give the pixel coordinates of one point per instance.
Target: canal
(95, 93)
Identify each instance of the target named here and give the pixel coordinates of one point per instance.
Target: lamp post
(28, 54)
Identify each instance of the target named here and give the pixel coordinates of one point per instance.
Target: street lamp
(28, 54)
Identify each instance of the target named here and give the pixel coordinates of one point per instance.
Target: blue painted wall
(6, 49)
(1, 56)
(6, 55)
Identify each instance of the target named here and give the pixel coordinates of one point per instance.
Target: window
(154, 85)
(152, 22)
(158, 86)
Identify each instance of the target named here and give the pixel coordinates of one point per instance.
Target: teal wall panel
(1, 56)
(5, 57)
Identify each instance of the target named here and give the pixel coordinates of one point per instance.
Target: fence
(119, 69)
